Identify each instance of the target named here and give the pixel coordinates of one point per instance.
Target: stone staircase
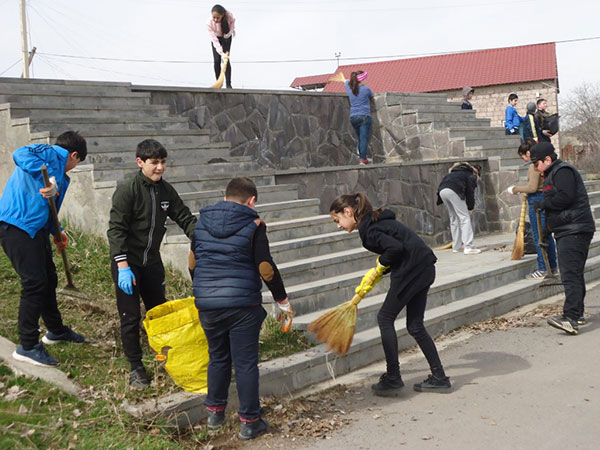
(320, 265)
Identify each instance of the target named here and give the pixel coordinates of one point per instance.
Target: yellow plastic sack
(175, 334)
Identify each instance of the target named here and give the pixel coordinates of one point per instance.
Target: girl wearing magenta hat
(360, 111)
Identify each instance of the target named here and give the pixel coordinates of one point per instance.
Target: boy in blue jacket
(512, 120)
(232, 255)
(25, 226)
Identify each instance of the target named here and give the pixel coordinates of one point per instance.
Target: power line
(11, 66)
(406, 55)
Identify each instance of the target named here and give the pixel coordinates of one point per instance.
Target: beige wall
(491, 101)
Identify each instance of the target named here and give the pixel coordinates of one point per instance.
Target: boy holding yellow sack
(232, 256)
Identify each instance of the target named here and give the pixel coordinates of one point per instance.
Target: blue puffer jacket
(226, 275)
(21, 204)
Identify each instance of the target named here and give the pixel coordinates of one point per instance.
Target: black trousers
(411, 294)
(226, 44)
(232, 335)
(150, 286)
(32, 260)
(572, 254)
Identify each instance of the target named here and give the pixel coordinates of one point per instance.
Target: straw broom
(336, 327)
(339, 77)
(219, 83)
(445, 246)
(519, 245)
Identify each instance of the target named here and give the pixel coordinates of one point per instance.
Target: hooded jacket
(226, 275)
(462, 179)
(21, 204)
(398, 246)
(567, 205)
(466, 104)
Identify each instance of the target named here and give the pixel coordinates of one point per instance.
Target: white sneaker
(472, 251)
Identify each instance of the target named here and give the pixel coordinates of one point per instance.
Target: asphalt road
(529, 387)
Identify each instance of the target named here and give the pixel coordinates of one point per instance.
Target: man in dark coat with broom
(569, 217)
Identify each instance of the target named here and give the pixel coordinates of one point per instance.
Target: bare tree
(582, 114)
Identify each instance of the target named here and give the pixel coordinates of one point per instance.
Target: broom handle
(56, 223)
(538, 215)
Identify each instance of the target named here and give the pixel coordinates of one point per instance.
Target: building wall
(491, 101)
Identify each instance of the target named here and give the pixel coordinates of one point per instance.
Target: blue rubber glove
(126, 280)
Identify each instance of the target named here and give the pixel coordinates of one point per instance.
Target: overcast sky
(283, 30)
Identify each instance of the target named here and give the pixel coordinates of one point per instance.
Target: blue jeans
(531, 199)
(362, 127)
(232, 336)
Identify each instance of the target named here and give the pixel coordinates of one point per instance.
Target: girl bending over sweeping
(412, 266)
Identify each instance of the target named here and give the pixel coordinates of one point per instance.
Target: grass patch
(42, 416)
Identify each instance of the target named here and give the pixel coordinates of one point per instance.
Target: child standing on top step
(412, 266)
(140, 207)
(232, 255)
(25, 226)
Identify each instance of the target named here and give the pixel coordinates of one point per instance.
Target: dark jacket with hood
(466, 104)
(398, 246)
(140, 208)
(462, 179)
(226, 275)
(566, 201)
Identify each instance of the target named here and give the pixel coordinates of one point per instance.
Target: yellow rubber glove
(371, 278)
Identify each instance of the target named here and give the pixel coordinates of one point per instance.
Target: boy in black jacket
(457, 193)
(569, 217)
(140, 207)
(232, 255)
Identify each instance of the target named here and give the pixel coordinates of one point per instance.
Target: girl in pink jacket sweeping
(221, 29)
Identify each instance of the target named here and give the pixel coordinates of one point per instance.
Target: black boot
(216, 419)
(388, 386)
(433, 384)
(250, 430)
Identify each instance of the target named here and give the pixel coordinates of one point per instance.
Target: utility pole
(24, 45)
(337, 55)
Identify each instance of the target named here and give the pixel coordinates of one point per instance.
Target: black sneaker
(388, 386)
(138, 378)
(37, 356)
(433, 384)
(216, 419)
(250, 430)
(66, 336)
(564, 323)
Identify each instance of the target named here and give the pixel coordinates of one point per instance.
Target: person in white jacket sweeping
(221, 29)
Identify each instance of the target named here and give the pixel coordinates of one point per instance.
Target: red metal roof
(311, 80)
(453, 71)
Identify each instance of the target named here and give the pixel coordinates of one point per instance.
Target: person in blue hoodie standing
(360, 111)
(512, 120)
(25, 226)
(232, 255)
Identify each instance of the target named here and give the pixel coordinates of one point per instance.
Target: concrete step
(446, 107)
(401, 98)
(444, 124)
(594, 197)
(592, 185)
(178, 168)
(446, 289)
(366, 347)
(307, 270)
(42, 86)
(299, 228)
(472, 133)
(266, 194)
(596, 212)
(491, 142)
(81, 101)
(191, 152)
(456, 114)
(48, 113)
(125, 140)
(311, 246)
(87, 124)
(196, 182)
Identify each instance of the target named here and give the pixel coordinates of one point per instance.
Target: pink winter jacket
(214, 31)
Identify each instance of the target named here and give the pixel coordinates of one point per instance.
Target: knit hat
(539, 151)
(531, 107)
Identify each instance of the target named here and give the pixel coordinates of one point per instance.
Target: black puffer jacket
(462, 179)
